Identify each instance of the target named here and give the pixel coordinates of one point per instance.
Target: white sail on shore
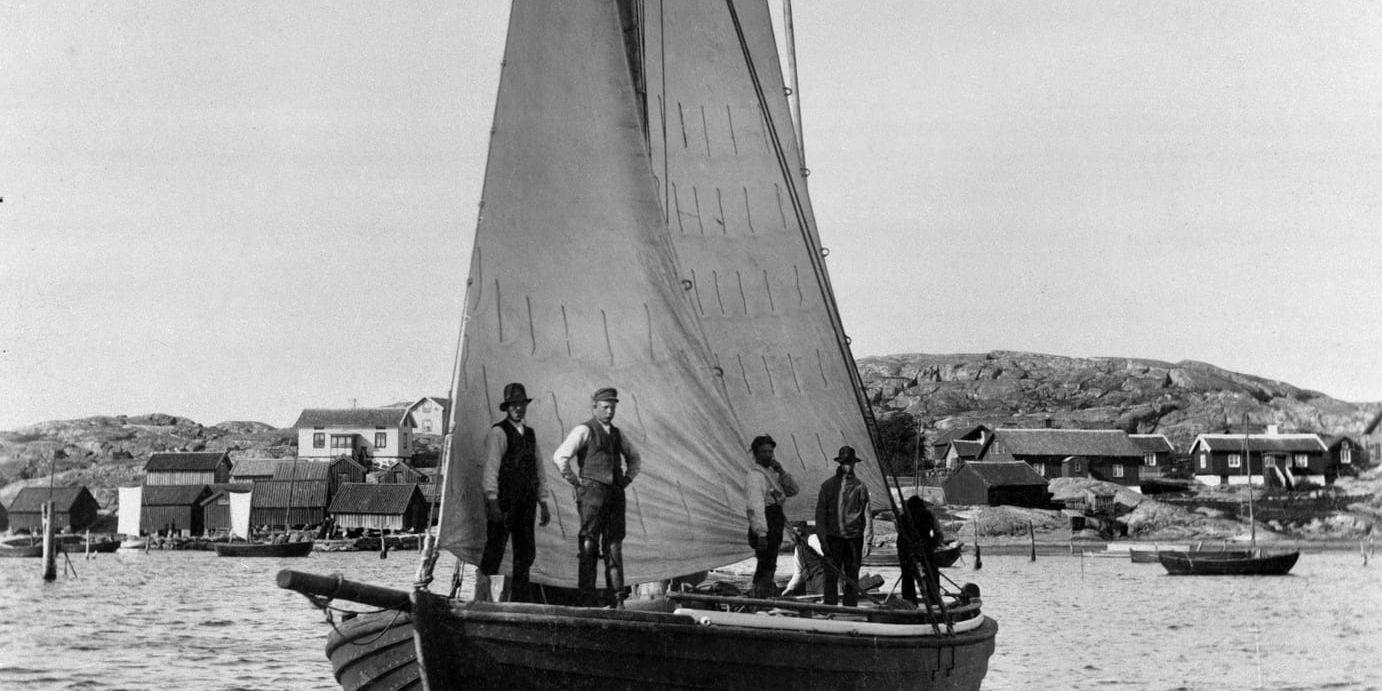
(131, 503)
(645, 225)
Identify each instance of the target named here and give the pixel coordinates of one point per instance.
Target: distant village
(354, 473)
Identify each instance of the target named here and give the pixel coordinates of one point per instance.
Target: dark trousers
(766, 549)
(846, 554)
(914, 571)
(601, 508)
(520, 517)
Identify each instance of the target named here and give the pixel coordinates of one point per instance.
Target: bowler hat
(607, 393)
(760, 440)
(514, 393)
(846, 455)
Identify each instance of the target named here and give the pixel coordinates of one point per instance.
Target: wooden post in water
(978, 553)
(1031, 532)
(50, 553)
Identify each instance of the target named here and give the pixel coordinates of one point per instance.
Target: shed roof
(352, 417)
(273, 494)
(1067, 442)
(303, 470)
(947, 436)
(31, 499)
(1152, 442)
(360, 497)
(173, 495)
(1006, 473)
(967, 448)
(1261, 443)
(256, 467)
(185, 460)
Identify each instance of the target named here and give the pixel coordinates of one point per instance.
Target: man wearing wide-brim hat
(606, 462)
(515, 487)
(842, 521)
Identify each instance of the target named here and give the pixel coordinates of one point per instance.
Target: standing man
(926, 532)
(766, 487)
(606, 462)
(842, 517)
(515, 487)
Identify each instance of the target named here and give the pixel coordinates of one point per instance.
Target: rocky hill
(1180, 400)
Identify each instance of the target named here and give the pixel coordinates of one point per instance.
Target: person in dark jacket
(842, 521)
(515, 489)
(606, 463)
(927, 532)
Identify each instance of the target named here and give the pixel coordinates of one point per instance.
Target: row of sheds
(188, 493)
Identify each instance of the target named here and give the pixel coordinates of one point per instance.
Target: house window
(342, 442)
(318, 440)
(1118, 470)
(1149, 458)
(1300, 460)
(381, 440)
(1235, 460)
(1346, 455)
(426, 425)
(1041, 469)
(1204, 459)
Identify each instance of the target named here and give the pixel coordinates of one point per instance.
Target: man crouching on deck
(599, 480)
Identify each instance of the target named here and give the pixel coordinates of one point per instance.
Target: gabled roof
(303, 470)
(1333, 442)
(173, 495)
(273, 494)
(1152, 442)
(197, 461)
(256, 467)
(1006, 473)
(360, 497)
(966, 448)
(31, 499)
(352, 417)
(1066, 442)
(1260, 443)
(443, 401)
(947, 436)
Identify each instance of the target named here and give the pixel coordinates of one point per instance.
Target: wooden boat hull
(21, 552)
(285, 549)
(551, 647)
(1230, 564)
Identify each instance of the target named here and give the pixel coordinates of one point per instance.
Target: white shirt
(577, 439)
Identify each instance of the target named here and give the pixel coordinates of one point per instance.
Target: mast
(795, 96)
(1247, 469)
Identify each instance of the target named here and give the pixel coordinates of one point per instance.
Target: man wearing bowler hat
(766, 487)
(842, 520)
(606, 462)
(515, 487)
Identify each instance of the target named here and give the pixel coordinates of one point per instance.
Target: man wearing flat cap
(766, 487)
(515, 488)
(842, 521)
(606, 462)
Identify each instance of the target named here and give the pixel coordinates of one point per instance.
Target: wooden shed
(74, 508)
(1011, 483)
(272, 503)
(380, 507)
(4, 518)
(187, 468)
(175, 508)
(216, 506)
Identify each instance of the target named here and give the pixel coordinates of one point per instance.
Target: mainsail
(644, 225)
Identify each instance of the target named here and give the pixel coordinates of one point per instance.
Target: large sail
(574, 286)
(130, 503)
(732, 181)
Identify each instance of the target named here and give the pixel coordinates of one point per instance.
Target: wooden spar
(336, 587)
(790, 35)
(50, 562)
(1031, 532)
(1247, 469)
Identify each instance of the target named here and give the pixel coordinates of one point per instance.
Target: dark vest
(599, 460)
(518, 469)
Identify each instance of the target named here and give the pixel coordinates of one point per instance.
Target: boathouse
(1273, 459)
(298, 502)
(994, 483)
(396, 507)
(1345, 455)
(175, 508)
(74, 508)
(215, 506)
(1102, 454)
(254, 469)
(187, 468)
(376, 436)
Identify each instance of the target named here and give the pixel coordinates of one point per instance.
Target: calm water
(190, 620)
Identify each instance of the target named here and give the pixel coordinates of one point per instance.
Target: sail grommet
(806, 172)
(686, 284)
(848, 340)
(718, 371)
(825, 251)
(786, 91)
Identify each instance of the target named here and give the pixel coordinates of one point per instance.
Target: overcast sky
(236, 210)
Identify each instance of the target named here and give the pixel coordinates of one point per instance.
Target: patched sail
(573, 286)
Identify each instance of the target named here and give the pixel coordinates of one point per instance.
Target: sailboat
(645, 224)
(1254, 561)
(240, 527)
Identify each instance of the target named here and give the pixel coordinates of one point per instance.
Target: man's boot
(614, 574)
(585, 574)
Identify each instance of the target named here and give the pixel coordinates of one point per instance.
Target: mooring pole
(50, 562)
(1031, 532)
